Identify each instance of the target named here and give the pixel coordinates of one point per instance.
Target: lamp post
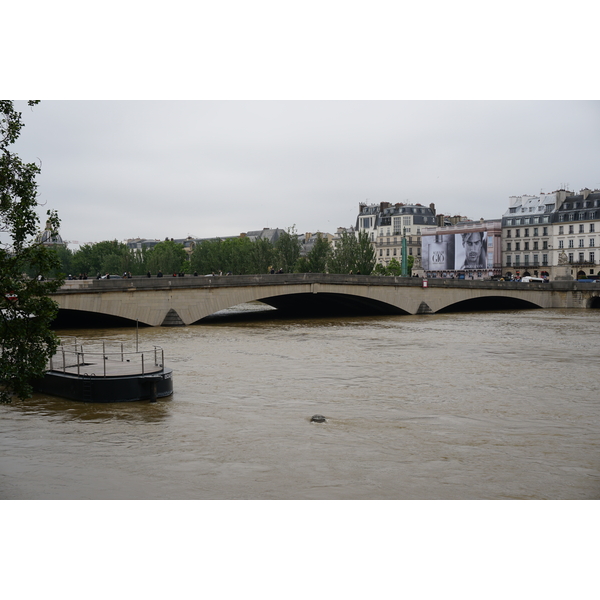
(404, 257)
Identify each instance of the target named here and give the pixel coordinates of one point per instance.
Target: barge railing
(73, 358)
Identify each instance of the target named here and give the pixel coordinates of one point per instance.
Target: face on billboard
(473, 253)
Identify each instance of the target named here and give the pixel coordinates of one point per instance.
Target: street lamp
(404, 257)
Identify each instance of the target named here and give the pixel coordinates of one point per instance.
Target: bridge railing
(190, 281)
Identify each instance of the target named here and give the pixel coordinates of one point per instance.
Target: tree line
(238, 256)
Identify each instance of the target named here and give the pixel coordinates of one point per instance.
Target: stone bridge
(186, 300)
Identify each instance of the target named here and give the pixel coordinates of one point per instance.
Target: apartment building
(551, 235)
(387, 223)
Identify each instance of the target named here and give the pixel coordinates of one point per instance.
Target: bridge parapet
(169, 282)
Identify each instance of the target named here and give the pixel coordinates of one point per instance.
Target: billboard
(455, 252)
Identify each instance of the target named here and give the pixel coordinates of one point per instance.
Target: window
(545, 231)
(545, 260)
(508, 233)
(526, 232)
(561, 229)
(406, 221)
(535, 232)
(570, 257)
(508, 260)
(592, 257)
(380, 251)
(397, 221)
(571, 229)
(508, 246)
(571, 243)
(535, 259)
(592, 242)
(517, 246)
(526, 259)
(581, 243)
(394, 252)
(581, 259)
(581, 226)
(591, 228)
(545, 245)
(561, 244)
(517, 260)
(535, 245)
(517, 233)
(526, 246)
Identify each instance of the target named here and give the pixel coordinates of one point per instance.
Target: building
(386, 224)
(307, 241)
(576, 228)
(551, 235)
(50, 238)
(466, 250)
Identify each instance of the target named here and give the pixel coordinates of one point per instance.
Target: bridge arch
(330, 304)
(594, 302)
(490, 302)
(68, 318)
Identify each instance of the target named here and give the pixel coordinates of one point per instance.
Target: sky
(119, 169)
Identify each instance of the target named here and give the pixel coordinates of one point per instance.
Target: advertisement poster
(458, 252)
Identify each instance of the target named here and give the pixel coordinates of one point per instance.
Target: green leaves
(26, 311)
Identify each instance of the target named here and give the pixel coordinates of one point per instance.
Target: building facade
(551, 235)
(386, 224)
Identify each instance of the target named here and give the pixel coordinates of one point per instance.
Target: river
(488, 405)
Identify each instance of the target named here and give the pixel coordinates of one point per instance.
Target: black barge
(105, 375)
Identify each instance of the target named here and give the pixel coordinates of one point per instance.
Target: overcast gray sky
(123, 169)
(323, 109)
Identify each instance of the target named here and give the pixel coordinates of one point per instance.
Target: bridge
(185, 300)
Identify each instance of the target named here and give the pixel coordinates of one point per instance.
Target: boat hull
(126, 388)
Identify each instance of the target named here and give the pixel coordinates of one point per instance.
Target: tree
(342, 260)
(365, 254)
(26, 310)
(319, 255)
(167, 256)
(261, 256)
(353, 254)
(287, 250)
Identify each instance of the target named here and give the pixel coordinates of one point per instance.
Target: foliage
(394, 268)
(168, 257)
(26, 340)
(365, 254)
(262, 256)
(353, 254)
(319, 255)
(239, 256)
(287, 250)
